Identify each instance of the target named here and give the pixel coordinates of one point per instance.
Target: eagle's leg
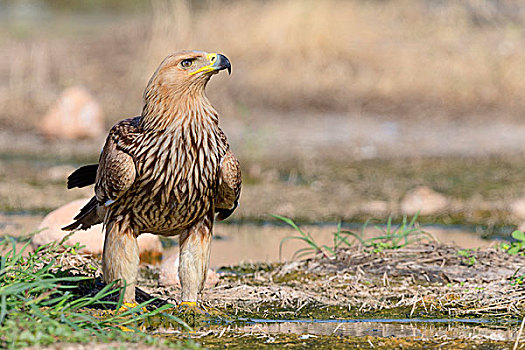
(194, 258)
(120, 259)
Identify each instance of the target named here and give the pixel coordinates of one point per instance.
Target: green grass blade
(302, 252)
(3, 308)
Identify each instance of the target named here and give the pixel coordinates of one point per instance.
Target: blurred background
(338, 110)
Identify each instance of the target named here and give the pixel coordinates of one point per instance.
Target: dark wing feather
(223, 214)
(229, 191)
(87, 217)
(83, 176)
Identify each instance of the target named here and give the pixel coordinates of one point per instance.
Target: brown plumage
(166, 172)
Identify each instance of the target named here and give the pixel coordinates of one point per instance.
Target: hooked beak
(221, 62)
(217, 61)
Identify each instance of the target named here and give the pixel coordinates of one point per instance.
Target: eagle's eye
(186, 63)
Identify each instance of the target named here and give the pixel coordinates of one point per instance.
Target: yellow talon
(191, 309)
(126, 329)
(188, 303)
(126, 306)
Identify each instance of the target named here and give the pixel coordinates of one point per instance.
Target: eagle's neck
(171, 109)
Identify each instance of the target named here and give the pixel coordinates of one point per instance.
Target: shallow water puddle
(424, 328)
(246, 242)
(260, 243)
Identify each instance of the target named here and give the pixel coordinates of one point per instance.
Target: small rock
(93, 238)
(75, 115)
(424, 200)
(169, 273)
(150, 248)
(376, 208)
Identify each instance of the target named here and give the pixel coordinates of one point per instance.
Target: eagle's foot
(191, 313)
(125, 329)
(196, 312)
(129, 306)
(191, 307)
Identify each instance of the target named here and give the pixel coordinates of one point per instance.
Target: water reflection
(421, 328)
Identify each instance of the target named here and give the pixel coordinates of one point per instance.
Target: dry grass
(425, 280)
(401, 57)
(349, 55)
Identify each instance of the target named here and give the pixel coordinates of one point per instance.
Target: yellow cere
(212, 57)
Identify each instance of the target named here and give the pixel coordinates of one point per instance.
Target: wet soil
(264, 341)
(421, 296)
(428, 280)
(261, 340)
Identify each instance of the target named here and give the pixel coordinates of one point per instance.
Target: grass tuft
(517, 247)
(389, 237)
(42, 301)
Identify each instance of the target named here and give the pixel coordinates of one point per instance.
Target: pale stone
(92, 238)
(75, 115)
(377, 208)
(424, 200)
(169, 273)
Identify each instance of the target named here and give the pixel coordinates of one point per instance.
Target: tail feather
(90, 206)
(87, 217)
(83, 176)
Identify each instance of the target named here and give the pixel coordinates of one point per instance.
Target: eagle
(169, 171)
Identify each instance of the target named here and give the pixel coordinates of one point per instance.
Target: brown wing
(229, 186)
(114, 174)
(116, 171)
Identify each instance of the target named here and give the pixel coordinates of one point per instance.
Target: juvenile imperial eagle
(167, 172)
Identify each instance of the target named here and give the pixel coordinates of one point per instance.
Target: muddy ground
(420, 296)
(265, 341)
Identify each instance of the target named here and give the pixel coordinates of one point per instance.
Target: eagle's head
(176, 89)
(188, 70)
